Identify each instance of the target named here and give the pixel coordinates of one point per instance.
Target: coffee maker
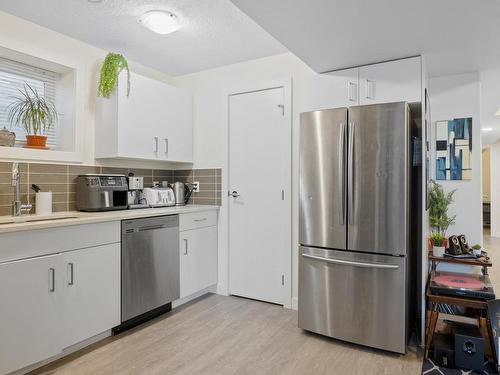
(135, 197)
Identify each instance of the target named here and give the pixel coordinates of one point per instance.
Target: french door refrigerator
(354, 224)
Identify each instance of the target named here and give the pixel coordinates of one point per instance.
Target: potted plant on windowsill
(439, 221)
(35, 113)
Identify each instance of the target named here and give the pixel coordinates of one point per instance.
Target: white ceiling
(214, 32)
(455, 35)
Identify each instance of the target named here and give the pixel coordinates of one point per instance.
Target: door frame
(286, 85)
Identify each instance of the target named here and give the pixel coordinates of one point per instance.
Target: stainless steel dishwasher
(150, 267)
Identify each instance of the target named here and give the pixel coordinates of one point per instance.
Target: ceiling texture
(456, 36)
(213, 33)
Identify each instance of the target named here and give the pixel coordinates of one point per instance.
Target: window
(13, 76)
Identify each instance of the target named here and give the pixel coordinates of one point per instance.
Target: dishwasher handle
(151, 227)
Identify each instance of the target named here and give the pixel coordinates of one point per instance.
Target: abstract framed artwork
(454, 149)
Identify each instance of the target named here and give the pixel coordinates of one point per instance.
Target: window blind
(13, 76)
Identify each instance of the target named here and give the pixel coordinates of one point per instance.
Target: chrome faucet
(17, 206)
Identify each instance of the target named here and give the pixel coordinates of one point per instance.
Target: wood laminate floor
(228, 335)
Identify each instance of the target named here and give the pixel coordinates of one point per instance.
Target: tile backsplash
(60, 179)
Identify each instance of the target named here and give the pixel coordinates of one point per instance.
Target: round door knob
(234, 194)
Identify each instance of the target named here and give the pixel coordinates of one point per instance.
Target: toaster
(159, 196)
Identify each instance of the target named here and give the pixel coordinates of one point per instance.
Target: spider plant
(32, 111)
(111, 68)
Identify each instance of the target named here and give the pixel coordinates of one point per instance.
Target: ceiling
(214, 32)
(455, 35)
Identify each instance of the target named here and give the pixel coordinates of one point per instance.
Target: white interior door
(259, 161)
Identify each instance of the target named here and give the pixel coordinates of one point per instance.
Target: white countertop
(61, 219)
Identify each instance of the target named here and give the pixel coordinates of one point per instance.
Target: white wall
(210, 89)
(31, 39)
(495, 192)
(458, 96)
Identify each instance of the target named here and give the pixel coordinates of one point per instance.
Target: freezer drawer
(354, 297)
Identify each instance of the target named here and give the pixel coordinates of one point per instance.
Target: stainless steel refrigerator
(354, 224)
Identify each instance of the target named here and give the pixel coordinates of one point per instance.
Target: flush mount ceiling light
(160, 21)
(487, 129)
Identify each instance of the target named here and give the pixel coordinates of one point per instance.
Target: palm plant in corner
(112, 66)
(439, 201)
(35, 113)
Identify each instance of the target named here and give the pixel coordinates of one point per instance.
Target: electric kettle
(182, 193)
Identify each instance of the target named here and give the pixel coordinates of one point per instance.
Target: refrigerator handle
(352, 263)
(341, 179)
(350, 172)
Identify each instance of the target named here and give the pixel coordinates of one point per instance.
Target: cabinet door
(198, 260)
(91, 292)
(30, 311)
(394, 81)
(332, 90)
(154, 121)
(176, 131)
(140, 116)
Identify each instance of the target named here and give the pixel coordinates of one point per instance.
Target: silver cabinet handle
(71, 277)
(202, 219)
(370, 89)
(186, 246)
(234, 194)
(52, 280)
(350, 172)
(351, 263)
(352, 88)
(341, 181)
(156, 144)
(166, 145)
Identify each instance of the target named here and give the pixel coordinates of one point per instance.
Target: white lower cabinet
(198, 260)
(91, 292)
(30, 311)
(49, 303)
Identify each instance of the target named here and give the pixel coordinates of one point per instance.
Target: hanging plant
(111, 68)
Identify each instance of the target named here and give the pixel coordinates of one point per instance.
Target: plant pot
(477, 252)
(438, 251)
(36, 141)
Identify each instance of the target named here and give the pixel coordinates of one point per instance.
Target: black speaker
(454, 245)
(444, 350)
(469, 347)
(464, 244)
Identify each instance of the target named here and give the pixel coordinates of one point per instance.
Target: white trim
(65, 352)
(182, 301)
(286, 84)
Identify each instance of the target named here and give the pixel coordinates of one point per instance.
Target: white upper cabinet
(154, 122)
(333, 90)
(393, 81)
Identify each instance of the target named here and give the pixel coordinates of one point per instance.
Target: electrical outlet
(196, 187)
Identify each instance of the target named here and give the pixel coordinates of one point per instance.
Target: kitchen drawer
(195, 220)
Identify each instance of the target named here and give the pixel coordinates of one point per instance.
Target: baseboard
(182, 301)
(295, 303)
(69, 350)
